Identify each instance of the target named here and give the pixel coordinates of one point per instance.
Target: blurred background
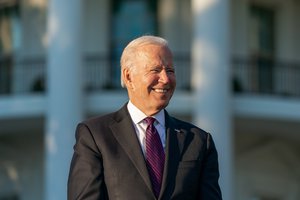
(238, 77)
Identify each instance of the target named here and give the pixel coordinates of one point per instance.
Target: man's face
(151, 81)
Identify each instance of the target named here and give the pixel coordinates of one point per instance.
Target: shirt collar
(137, 115)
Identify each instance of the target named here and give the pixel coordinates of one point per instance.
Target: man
(140, 152)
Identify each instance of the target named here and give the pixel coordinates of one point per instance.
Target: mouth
(160, 90)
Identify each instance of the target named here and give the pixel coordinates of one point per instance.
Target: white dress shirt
(140, 125)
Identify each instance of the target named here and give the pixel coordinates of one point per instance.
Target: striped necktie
(155, 156)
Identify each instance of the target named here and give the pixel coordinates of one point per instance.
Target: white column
(212, 82)
(64, 89)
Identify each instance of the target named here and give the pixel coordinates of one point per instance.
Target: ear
(126, 77)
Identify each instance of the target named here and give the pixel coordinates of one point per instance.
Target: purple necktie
(155, 156)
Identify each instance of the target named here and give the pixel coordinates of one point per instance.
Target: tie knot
(149, 120)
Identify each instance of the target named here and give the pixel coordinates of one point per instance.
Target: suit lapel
(175, 138)
(124, 132)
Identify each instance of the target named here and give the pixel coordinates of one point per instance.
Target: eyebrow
(162, 66)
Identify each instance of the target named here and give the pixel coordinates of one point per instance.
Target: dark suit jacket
(108, 162)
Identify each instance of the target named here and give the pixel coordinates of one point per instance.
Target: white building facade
(238, 70)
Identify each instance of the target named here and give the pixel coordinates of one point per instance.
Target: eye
(170, 70)
(155, 70)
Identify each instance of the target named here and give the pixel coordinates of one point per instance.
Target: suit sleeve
(86, 179)
(209, 186)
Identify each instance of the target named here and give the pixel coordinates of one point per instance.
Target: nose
(164, 77)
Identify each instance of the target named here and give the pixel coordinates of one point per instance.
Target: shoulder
(99, 119)
(188, 126)
(190, 129)
(107, 119)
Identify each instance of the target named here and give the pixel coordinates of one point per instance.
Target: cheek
(144, 84)
(149, 82)
(173, 79)
(136, 83)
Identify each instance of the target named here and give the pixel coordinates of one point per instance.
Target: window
(9, 27)
(262, 46)
(9, 41)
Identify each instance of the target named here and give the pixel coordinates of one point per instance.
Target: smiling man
(140, 152)
(148, 74)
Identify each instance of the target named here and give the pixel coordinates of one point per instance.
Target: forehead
(155, 53)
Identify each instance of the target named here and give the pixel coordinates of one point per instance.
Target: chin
(162, 106)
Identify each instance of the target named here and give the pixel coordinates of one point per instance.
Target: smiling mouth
(161, 90)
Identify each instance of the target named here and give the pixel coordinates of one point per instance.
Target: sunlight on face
(151, 82)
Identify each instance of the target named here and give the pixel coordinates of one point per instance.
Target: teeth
(160, 90)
